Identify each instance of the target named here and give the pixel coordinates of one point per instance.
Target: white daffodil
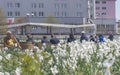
(54, 70)
(36, 49)
(1, 57)
(18, 71)
(1, 73)
(7, 73)
(40, 57)
(1, 67)
(107, 64)
(5, 48)
(8, 56)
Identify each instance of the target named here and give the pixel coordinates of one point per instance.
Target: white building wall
(64, 11)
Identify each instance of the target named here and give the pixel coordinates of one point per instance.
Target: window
(104, 8)
(41, 14)
(64, 14)
(10, 13)
(97, 8)
(78, 6)
(104, 13)
(97, 2)
(17, 13)
(63, 5)
(9, 5)
(33, 14)
(57, 14)
(17, 5)
(97, 14)
(41, 5)
(34, 5)
(103, 2)
(57, 5)
(79, 14)
(34, 27)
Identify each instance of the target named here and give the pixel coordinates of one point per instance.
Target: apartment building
(73, 12)
(105, 16)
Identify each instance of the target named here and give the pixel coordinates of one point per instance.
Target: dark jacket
(30, 40)
(83, 37)
(111, 37)
(92, 38)
(44, 41)
(54, 41)
(71, 38)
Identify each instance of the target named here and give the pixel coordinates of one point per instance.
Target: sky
(118, 9)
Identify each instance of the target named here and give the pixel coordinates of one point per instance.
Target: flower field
(87, 58)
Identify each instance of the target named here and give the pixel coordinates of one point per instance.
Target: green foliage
(40, 62)
(9, 65)
(2, 15)
(31, 65)
(3, 23)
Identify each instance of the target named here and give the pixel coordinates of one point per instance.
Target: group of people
(71, 38)
(10, 40)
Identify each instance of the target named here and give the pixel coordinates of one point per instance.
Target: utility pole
(91, 16)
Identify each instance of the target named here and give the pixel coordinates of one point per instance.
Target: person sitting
(54, 40)
(110, 37)
(92, 38)
(71, 38)
(44, 40)
(101, 38)
(10, 40)
(96, 39)
(29, 38)
(83, 37)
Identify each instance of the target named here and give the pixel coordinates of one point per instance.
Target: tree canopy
(50, 19)
(3, 22)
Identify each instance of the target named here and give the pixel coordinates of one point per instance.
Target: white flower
(0, 57)
(7, 73)
(0, 67)
(40, 57)
(50, 61)
(17, 71)
(54, 70)
(108, 63)
(1, 73)
(36, 49)
(6, 48)
(15, 45)
(99, 64)
(8, 56)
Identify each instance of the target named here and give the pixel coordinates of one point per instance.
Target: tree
(50, 19)
(3, 23)
(20, 20)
